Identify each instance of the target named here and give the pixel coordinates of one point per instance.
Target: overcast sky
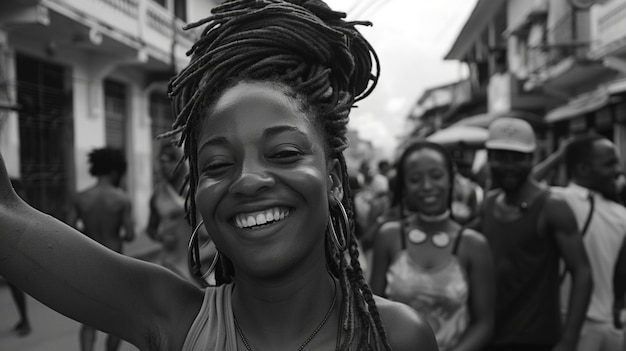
(411, 38)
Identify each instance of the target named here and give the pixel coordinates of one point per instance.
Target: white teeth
(251, 221)
(260, 218)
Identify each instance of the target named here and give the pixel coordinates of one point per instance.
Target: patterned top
(439, 294)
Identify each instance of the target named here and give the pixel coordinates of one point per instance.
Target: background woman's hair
(320, 59)
(399, 184)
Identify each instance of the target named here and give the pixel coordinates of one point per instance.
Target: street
(52, 331)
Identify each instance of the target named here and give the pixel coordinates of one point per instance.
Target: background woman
(262, 110)
(167, 223)
(429, 261)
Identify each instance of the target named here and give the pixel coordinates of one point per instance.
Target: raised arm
(476, 256)
(87, 282)
(562, 223)
(554, 160)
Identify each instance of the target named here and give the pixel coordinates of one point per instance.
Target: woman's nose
(251, 183)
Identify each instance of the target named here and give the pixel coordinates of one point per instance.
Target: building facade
(561, 60)
(81, 74)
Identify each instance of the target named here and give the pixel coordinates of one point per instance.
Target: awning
(580, 106)
(483, 120)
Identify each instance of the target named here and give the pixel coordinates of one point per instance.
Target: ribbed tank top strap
(457, 241)
(213, 328)
(402, 234)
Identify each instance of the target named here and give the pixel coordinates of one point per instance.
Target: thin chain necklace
(308, 340)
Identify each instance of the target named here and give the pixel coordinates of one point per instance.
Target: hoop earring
(193, 258)
(344, 229)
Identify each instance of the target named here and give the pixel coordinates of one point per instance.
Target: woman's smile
(261, 219)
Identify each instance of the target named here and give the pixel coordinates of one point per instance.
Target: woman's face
(426, 181)
(263, 180)
(168, 159)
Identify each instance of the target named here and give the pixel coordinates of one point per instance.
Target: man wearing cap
(593, 166)
(529, 230)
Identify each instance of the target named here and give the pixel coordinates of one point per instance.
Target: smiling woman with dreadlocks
(427, 260)
(261, 111)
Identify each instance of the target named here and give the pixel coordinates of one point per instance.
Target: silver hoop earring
(344, 229)
(193, 258)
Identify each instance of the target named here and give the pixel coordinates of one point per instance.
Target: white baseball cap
(511, 134)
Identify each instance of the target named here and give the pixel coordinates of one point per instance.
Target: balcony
(562, 63)
(140, 26)
(608, 26)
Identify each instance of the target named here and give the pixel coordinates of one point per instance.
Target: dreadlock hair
(310, 52)
(398, 188)
(105, 161)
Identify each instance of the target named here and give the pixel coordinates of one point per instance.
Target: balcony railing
(566, 38)
(144, 22)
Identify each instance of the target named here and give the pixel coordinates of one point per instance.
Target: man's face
(604, 168)
(509, 169)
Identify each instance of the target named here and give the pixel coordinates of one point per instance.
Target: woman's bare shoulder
(406, 329)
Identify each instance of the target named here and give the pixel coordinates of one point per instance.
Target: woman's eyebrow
(273, 131)
(214, 141)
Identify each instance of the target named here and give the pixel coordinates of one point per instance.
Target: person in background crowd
(592, 165)
(466, 199)
(262, 110)
(385, 168)
(167, 222)
(370, 203)
(529, 229)
(430, 262)
(22, 328)
(105, 211)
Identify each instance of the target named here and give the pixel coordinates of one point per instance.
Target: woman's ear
(335, 181)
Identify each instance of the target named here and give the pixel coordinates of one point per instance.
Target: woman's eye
(286, 154)
(216, 166)
(437, 175)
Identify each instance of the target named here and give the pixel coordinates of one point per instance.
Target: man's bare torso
(101, 209)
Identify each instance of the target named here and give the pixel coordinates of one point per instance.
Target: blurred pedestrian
(168, 222)
(104, 212)
(429, 261)
(529, 229)
(593, 167)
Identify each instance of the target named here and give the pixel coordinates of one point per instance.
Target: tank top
(213, 329)
(527, 284)
(439, 294)
(214, 326)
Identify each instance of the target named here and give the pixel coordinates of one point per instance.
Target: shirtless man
(104, 210)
